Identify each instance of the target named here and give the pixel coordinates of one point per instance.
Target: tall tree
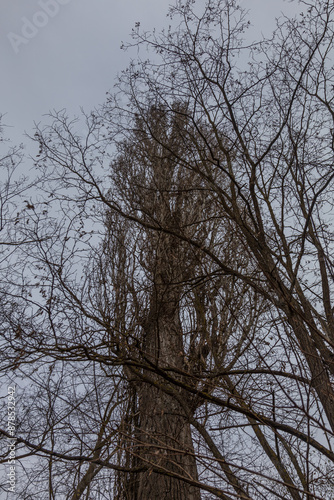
(151, 183)
(175, 314)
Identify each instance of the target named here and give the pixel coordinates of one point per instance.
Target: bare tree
(175, 315)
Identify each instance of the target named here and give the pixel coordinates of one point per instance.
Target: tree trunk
(166, 440)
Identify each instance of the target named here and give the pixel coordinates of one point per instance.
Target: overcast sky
(66, 53)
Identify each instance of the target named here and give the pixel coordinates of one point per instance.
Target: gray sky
(71, 61)
(66, 53)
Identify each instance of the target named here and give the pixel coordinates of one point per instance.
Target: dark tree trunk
(166, 439)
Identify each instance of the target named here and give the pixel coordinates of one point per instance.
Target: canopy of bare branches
(168, 310)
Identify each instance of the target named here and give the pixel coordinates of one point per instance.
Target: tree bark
(166, 439)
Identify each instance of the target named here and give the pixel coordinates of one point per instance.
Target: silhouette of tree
(175, 314)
